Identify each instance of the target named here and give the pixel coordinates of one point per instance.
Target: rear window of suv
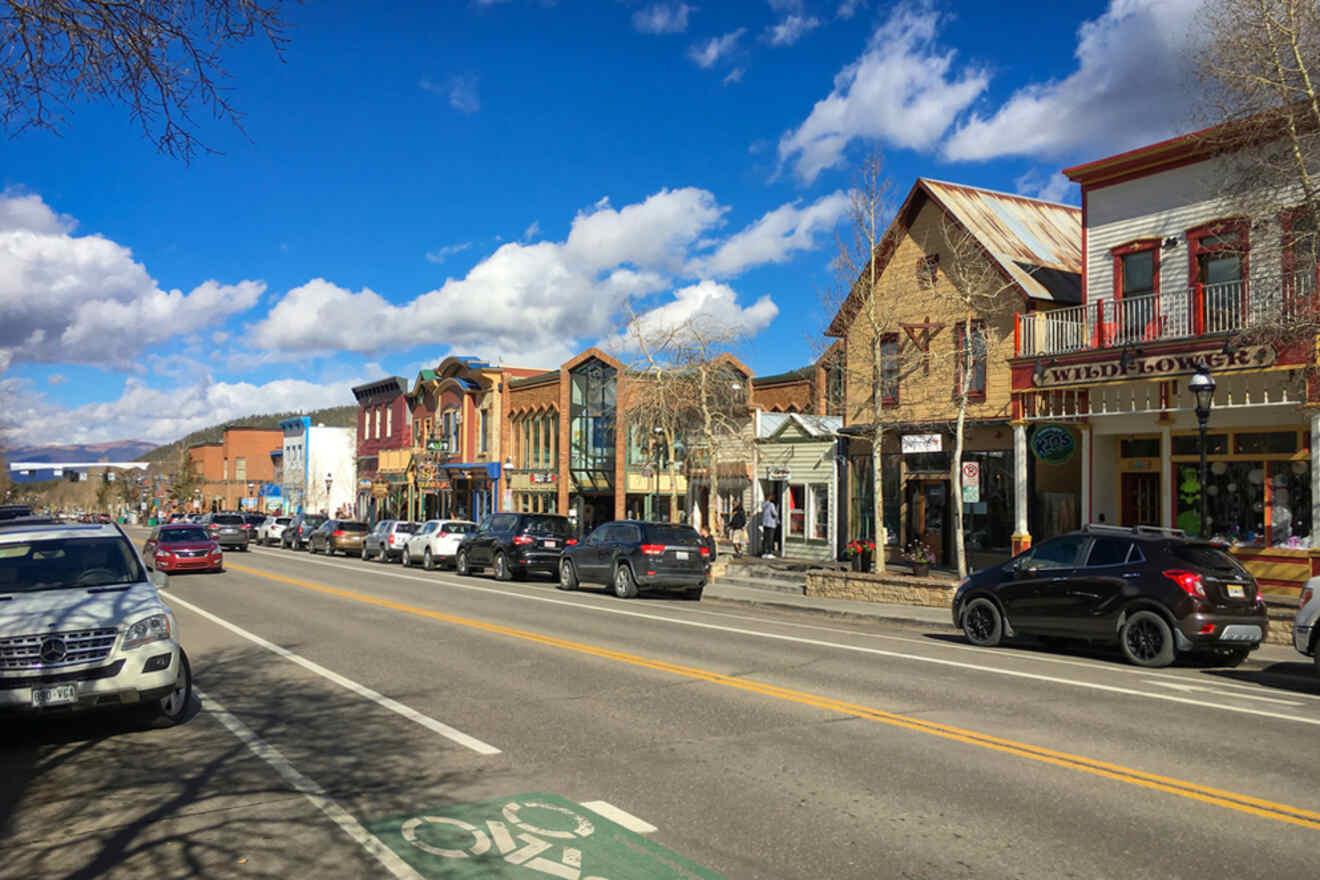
(352, 527)
(407, 528)
(230, 519)
(667, 534)
(556, 526)
(1207, 558)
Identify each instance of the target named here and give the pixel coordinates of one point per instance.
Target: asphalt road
(364, 720)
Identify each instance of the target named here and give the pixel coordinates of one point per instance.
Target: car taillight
(213, 527)
(570, 542)
(339, 533)
(444, 534)
(654, 549)
(520, 540)
(705, 552)
(1189, 581)
(1307, 593)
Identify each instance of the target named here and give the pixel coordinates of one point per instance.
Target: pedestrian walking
(737, 528)
(769, 524)
(708, 541)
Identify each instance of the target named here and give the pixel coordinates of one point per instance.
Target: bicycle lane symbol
(497, 834)
(528, 836)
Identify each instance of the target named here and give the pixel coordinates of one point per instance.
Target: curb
(831, 612)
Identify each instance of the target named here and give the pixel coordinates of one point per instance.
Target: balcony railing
(1201, 310)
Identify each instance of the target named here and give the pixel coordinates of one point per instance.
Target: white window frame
(786, 519)
(389, 421)
(813, 489)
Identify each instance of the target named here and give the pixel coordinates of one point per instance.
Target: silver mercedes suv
(81, 624)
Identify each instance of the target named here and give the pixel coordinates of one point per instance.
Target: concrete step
(779, 585)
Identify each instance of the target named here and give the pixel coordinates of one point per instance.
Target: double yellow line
(1217, 797)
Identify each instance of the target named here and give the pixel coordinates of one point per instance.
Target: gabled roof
(1036, 244)
(775, 424)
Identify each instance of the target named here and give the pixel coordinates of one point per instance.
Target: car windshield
(176, 536)
(1207, 558)
(552, 526)
(231, 519)
(457, 528)
(666, 534)
(313, 521)
(61, 563)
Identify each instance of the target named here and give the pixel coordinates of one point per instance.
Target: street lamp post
(1202, 386)
(329, 479)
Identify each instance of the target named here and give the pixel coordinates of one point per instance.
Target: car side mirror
(160, 580)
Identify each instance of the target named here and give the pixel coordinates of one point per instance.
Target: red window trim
(1224, 228)
(1135, 247)
(898, 347)
(972, 396)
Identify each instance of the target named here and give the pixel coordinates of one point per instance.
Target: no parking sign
(971, 482)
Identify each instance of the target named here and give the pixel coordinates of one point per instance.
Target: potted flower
(859, 551)
(920, 556)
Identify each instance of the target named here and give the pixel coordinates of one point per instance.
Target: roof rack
(1091, 528)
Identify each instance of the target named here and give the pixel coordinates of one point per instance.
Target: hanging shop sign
(1156, 366)
(779, 473)
(912, 444)
(1053, 444)
(543, 476)
(380, 489)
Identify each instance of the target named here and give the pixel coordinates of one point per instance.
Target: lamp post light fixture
(1202, 386)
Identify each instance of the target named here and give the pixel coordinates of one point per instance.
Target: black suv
(513, 544)
(1154, 592)
(300, 529)
(634, 555)
(227, 529)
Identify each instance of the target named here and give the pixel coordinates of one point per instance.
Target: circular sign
(1053, 444)
(971, 471)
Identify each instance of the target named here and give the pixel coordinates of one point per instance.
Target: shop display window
(1140, 447)
(988, 523)
(1190, 444)
(1265, 443)
(1249, 503)
(1290, 504)
(820, 520)
(796, 503)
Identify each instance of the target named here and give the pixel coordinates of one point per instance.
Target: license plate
(1236, 592)
(60, 695)
(552, 544)
(681, 554)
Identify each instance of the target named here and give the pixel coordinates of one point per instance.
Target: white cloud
(83, 299)
(705, 55)
(903, 91)
(439, 255)
(460, 89)
(219, 337)
(735, 76)
(1052, 187)
(662, 18)
(57, 379)
(707, 304)
(775, 237)
(1130, 88)
(532, 231)
(791, 29)
(164, 414)
(848, 8)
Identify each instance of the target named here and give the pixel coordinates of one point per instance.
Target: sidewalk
(876, 611)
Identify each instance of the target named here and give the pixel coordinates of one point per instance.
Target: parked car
(299, 529)
(338, 536)
(227, 529)
(182, 547)
(436, 542)
(386, 541)
(272, 529)
(631, 556)
(83, 626)
(253, 522)
(1154, 592)
(1306, 625)
(513, 544)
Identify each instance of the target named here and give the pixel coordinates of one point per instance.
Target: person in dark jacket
(708, 541)
(737, 527)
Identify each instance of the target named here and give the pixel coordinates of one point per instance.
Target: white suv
(81, 625)
(436, 542)
(1305, 633)
(271, 530)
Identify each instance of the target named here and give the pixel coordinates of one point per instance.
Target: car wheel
(172, 707)
(625, 585)
(461, 563)
(407, 558)
(982, 623)
(567, 575)
(1146, 639)
(428, 562)
(502, 570)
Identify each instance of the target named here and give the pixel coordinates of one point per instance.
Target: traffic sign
(971, 482)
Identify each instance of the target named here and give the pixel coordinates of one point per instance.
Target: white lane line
(620, 817)
(379, 699)
(309, 789)
(1193, 687)
(879, 652)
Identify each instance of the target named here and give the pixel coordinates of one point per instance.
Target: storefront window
(820, 517)
(592, 416)
(1290, 504)
(795, 503)
(1141, 447)
(1264, 443)
(862, 513)
(1190, 444)
(988, 523)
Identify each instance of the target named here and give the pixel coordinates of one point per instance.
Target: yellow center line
(1218, 797)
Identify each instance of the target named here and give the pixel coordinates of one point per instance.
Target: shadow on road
(1299, 678)
(91, 794)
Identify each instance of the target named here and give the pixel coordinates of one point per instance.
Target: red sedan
(182, 547)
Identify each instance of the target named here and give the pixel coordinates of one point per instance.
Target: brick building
(237, 467)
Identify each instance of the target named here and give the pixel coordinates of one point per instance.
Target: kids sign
(1157, 366)
(1053, 444)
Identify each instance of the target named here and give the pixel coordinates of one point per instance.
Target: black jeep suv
(633, 555)
(1154, 592)
(515, 543)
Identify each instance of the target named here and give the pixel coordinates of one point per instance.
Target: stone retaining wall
(868, 587)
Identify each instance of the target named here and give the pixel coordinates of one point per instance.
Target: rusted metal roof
(1024, 235)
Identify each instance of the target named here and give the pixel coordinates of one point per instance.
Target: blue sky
(507, 178)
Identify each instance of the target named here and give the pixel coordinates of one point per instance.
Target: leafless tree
(160, 59)
(658, 398)
(185, 480)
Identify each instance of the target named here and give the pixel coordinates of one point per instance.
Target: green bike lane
(736, 783)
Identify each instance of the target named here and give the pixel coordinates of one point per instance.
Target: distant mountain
(114, 450)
